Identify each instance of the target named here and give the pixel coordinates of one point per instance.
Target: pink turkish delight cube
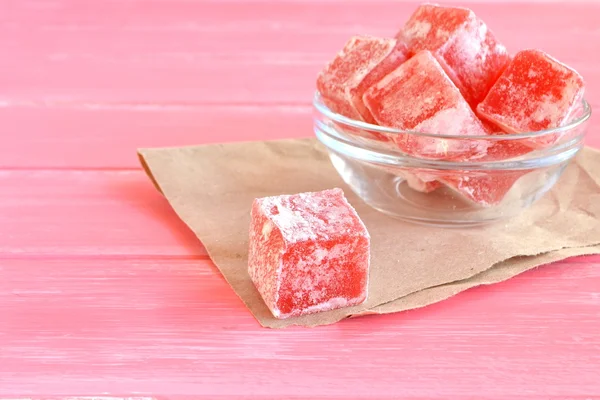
(309, 252)
(488, 188)
(419, 96)
(421, 182)
(363, 61)
(535, 92)
(463, 45)
(485, 188)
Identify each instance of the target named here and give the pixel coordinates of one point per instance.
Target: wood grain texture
(162, 51)
(93, 213)
(105, 294)
(174, 327)
(108, 137)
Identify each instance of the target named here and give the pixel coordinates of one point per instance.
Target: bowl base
(440, 223)
(386, 189)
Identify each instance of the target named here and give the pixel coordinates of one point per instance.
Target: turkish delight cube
(534, 93)
(420, 182)
(419, 96)
(363, 61)
(462, 43)
(489, 187)
(485, 188)
(309, 252)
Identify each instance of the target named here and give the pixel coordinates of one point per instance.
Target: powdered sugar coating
(535, 92)
(464, 46)
(308, 252)
(311, 216)
(264, 255)
(430, 26)
(363, 61)
(485, 188)
(419, 96)
(324, 270)
(421, 182)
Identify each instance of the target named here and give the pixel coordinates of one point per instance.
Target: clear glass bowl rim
(323, 109)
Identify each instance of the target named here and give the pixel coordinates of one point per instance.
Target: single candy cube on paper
(309, 252)
(363, 61)
(535, 92)
(419, 96)
(462, 43)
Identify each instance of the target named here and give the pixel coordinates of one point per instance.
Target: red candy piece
(363, 61)
(309, 252)
(417, 179)
(486, 188)
(463, 45)
(502, 149)
(419, 96)
(420, 183)
(535, 92)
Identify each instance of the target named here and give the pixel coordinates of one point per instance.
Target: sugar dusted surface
(306, 250)
(535, 92)
(489, 187)
(485, 188)
(397, 56)
(414, 92)
(359, 64)
(312, 216)
(431, 26)
(264, 256)
(445, 121)
(419, 96)
(506, 149)
(420, 183)
(318, 271)
(465, 47)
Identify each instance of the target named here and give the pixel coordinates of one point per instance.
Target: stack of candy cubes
(445, 73)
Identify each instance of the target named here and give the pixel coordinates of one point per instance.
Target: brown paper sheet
(211, 188)
(498, 273)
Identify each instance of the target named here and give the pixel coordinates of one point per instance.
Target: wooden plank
(94, 213)
(199, 52)
(92, 136)
(97, 326)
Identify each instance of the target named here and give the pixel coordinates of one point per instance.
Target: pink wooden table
(103, 291)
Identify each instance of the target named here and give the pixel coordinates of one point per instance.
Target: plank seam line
(70, 169)
(101, 257)
(300, 106)
(174, 257)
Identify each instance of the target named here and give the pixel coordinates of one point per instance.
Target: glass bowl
(447, 180)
